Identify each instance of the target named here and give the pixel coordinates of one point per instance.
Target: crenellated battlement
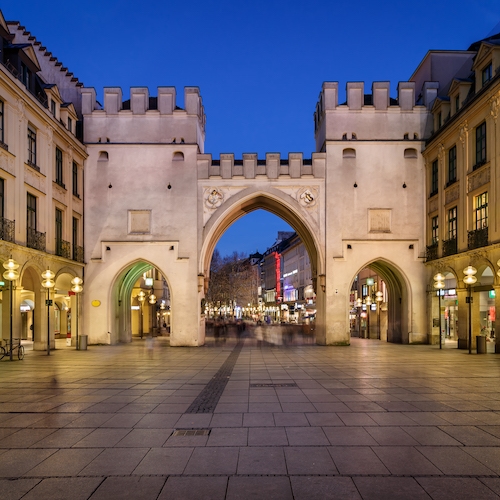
(384, 118)
(251, 167)
(143, 118)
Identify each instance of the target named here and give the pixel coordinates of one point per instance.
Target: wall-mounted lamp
(404, 185)
(355, 184)
(110, 186)
(169, 186)
(108, 249)
(411, 247)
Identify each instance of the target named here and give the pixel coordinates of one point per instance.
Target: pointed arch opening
(141, 303)
(379, 305)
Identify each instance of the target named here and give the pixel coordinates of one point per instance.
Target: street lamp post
(152, 301)
(379, 296)
(439, 285)
(368, 302)
(77, 288)
(359, 305)
(469, 280)
(141, 297)
(48, 283)
(11, 275)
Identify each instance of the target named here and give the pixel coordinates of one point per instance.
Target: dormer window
(53, 107)
(457, 103)
(487, 74)
(440, 119)
(70, 124)
(25, 75)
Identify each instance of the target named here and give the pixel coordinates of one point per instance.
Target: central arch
(281, 205)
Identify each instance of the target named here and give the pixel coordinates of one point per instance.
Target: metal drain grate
(191, 432)
(273, 385)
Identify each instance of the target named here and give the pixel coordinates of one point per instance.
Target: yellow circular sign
(96, 303)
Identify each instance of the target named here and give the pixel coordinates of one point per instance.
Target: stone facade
(41, 178)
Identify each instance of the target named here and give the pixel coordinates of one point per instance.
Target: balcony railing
(63, 248)
(477, 238)
(35, 239)
(449, 247)
(7, 229)
(78, 253)
(432, 252)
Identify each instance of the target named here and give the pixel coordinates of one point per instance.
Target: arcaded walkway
(370, 421)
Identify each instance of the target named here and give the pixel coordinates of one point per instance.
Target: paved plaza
(238, 421)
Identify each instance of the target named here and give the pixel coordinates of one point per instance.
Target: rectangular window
(75, 233)
(59, 167)
(2, 197)
(31, 145)
(486, 74)
(31, 212)
(452, 223)
(480, 145)
(434, 177)
(440, 120)
(59, 230)
(70, 124)
(457, 103)
(481, 211)
(53, 107)
(452, 165)
(75, 179)
(2, 137)
(435, 229)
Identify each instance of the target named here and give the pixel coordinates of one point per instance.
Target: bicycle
(16, 344)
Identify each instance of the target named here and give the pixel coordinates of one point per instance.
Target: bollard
(480, 344)
(83, 342)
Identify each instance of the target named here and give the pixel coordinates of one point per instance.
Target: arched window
(103, 156)
(349, 153)
(410, 153)
(178, 156)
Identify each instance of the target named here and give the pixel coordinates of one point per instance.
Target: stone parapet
(251, 167)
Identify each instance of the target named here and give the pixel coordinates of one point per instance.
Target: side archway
(132, 317)
(392, 313)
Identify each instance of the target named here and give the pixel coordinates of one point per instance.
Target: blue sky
(259, 65)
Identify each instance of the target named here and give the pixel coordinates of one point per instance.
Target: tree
(232, 282)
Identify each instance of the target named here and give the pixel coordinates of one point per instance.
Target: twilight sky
(259, 64)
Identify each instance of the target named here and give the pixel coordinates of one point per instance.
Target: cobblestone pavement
(369, 421)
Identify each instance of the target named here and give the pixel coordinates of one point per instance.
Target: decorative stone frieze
(433, 204)
(478, 178)
(452, 193)
(7, 162)
(34, 179)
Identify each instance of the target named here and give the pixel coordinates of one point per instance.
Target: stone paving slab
(372, 421)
